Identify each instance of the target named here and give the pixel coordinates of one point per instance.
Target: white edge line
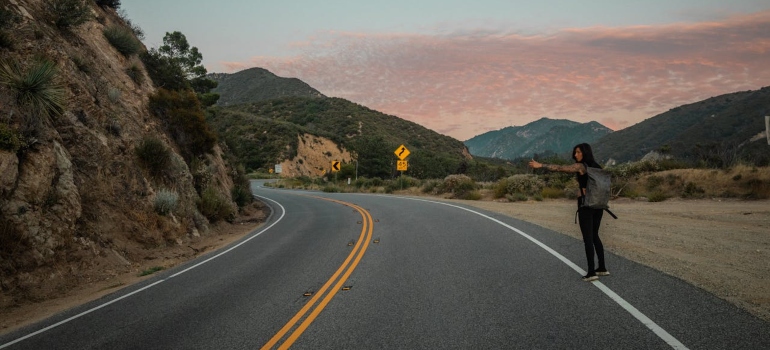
(283, 213)
(654, 327)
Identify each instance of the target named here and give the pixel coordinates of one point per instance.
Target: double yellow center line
(345, 270)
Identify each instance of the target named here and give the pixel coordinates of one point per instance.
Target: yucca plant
(35, 90)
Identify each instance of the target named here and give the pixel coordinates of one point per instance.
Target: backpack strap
(607, 210)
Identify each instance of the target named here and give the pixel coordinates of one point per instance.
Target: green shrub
(241, 195)
(654, 182)
(184, 119)
(165, 202)
(470, 195)
(214, 207)
(527, 184)
(431, 186)
(151, 270)
(6, 41)
(113, 95)
(135, 73)
(458, 184)
(517, 197)
(550, 192)
(9, 138)
(69, 13)
(657, 196)
(331, 189)
(123, 40)
(691, 190)
(154, 155)
(115, 4)
(113, 126)
(15, 249)
(7, 18)
(34, 90)
(81, 63)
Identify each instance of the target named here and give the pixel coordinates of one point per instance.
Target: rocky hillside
(78, 190)
(275, 131)
(257, 84)
(541, 136)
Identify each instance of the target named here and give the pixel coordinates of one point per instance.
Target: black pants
(589, 220)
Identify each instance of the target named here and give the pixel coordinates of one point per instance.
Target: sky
(463, 68)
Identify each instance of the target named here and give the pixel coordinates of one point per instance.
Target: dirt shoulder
(719, 245)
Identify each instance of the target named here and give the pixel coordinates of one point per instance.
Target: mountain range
(257, 84)
(541, 136)
(289, 117)
(714, 130)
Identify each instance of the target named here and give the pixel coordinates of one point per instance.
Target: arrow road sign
(335, 165)
(401, 152)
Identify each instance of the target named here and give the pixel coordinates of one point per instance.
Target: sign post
(767, 128)
(401, 165)
(335, 169)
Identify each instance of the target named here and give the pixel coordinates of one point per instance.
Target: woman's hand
(534, 164)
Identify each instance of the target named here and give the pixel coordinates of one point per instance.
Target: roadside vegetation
(648, 180)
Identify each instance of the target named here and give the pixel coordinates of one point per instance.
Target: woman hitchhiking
(590, 219)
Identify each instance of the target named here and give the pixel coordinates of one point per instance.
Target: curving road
(353, 271)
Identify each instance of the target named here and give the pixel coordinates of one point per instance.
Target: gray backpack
(598, 190)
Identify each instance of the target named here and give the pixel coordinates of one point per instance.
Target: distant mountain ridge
(541, 136)
(716, 131)
(267, 120)
(257, 84)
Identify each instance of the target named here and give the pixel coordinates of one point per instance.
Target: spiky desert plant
(35, 90)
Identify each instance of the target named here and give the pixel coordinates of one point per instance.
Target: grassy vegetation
(9, 138)
(741, 182)
(184, 120)
(69, 13)
(151, 271)
(123, 40)
(154, 155)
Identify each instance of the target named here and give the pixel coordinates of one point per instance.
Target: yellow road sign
(401, 152)
(335, 165)
(401, 165)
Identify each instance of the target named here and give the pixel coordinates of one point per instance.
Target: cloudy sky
(463, 68)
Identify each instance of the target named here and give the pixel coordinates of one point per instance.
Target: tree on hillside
(177, 66)
(374, 157)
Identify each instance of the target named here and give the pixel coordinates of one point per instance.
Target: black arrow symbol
(402, 151)
(336, 165)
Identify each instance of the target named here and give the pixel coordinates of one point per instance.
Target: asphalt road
(354, 271)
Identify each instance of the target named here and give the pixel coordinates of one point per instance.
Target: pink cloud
(467, 84)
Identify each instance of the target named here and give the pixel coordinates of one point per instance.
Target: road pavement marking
(345, 269)
(283, 213)
(659, 331)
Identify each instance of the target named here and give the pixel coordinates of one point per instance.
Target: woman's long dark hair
(588, 155)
